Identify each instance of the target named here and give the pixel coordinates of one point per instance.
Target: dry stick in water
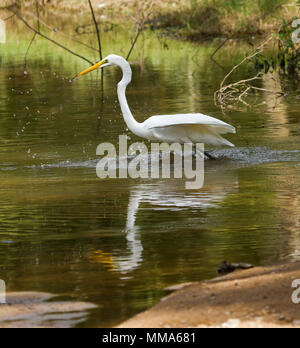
(255, 53)
(48, 38)
(100, 54)
(99, 43)
(28, 49)
(35, 34)
(236, 91)
(215, 52)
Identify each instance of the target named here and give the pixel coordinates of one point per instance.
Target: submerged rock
(231, 267)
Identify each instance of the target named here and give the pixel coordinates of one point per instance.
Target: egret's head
(112, 59)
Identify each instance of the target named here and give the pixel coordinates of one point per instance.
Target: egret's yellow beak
(94, 67)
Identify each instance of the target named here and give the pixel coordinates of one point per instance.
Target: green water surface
(119, 243)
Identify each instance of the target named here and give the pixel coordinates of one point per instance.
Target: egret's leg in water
(206, 154)
(209, 156)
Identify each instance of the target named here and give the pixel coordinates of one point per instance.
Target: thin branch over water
(15, 12)
(97, 29)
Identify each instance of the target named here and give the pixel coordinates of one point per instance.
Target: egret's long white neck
(132, 124)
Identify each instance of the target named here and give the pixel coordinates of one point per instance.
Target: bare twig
(142, 17)
(35, 34)
(56, 31)
(46, 37)
(215, 52)
(100, 55)
(97, 29)
(218, 48)
(9, 17)
(228, 95)
(38, 15)
(241, 96)
(138, 33)
(28, 49)
(255, 53)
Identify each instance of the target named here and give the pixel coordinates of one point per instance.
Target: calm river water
(119, 243)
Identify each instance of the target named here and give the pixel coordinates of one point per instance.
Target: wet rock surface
(37, 309)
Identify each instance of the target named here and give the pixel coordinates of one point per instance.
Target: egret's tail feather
(228, 143)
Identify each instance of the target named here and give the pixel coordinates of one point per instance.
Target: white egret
(180, 128)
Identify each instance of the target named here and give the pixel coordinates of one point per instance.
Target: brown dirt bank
(259, 297)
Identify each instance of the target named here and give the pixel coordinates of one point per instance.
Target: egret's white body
(180, 128)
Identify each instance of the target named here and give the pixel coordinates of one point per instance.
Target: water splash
(257, 155)
(242, 155)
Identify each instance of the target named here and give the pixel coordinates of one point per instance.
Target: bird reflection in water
(165, 195)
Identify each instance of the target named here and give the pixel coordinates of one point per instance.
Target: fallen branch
(257, 51)
(230, 94)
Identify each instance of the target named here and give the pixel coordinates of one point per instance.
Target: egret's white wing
(183, 128)
(189, 119)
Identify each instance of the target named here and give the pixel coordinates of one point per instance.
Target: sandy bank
(259, 297)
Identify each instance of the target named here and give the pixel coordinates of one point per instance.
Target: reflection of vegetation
(286, 56)
(57, 235)
(283, 58)
(234, 94)
(53, 220)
